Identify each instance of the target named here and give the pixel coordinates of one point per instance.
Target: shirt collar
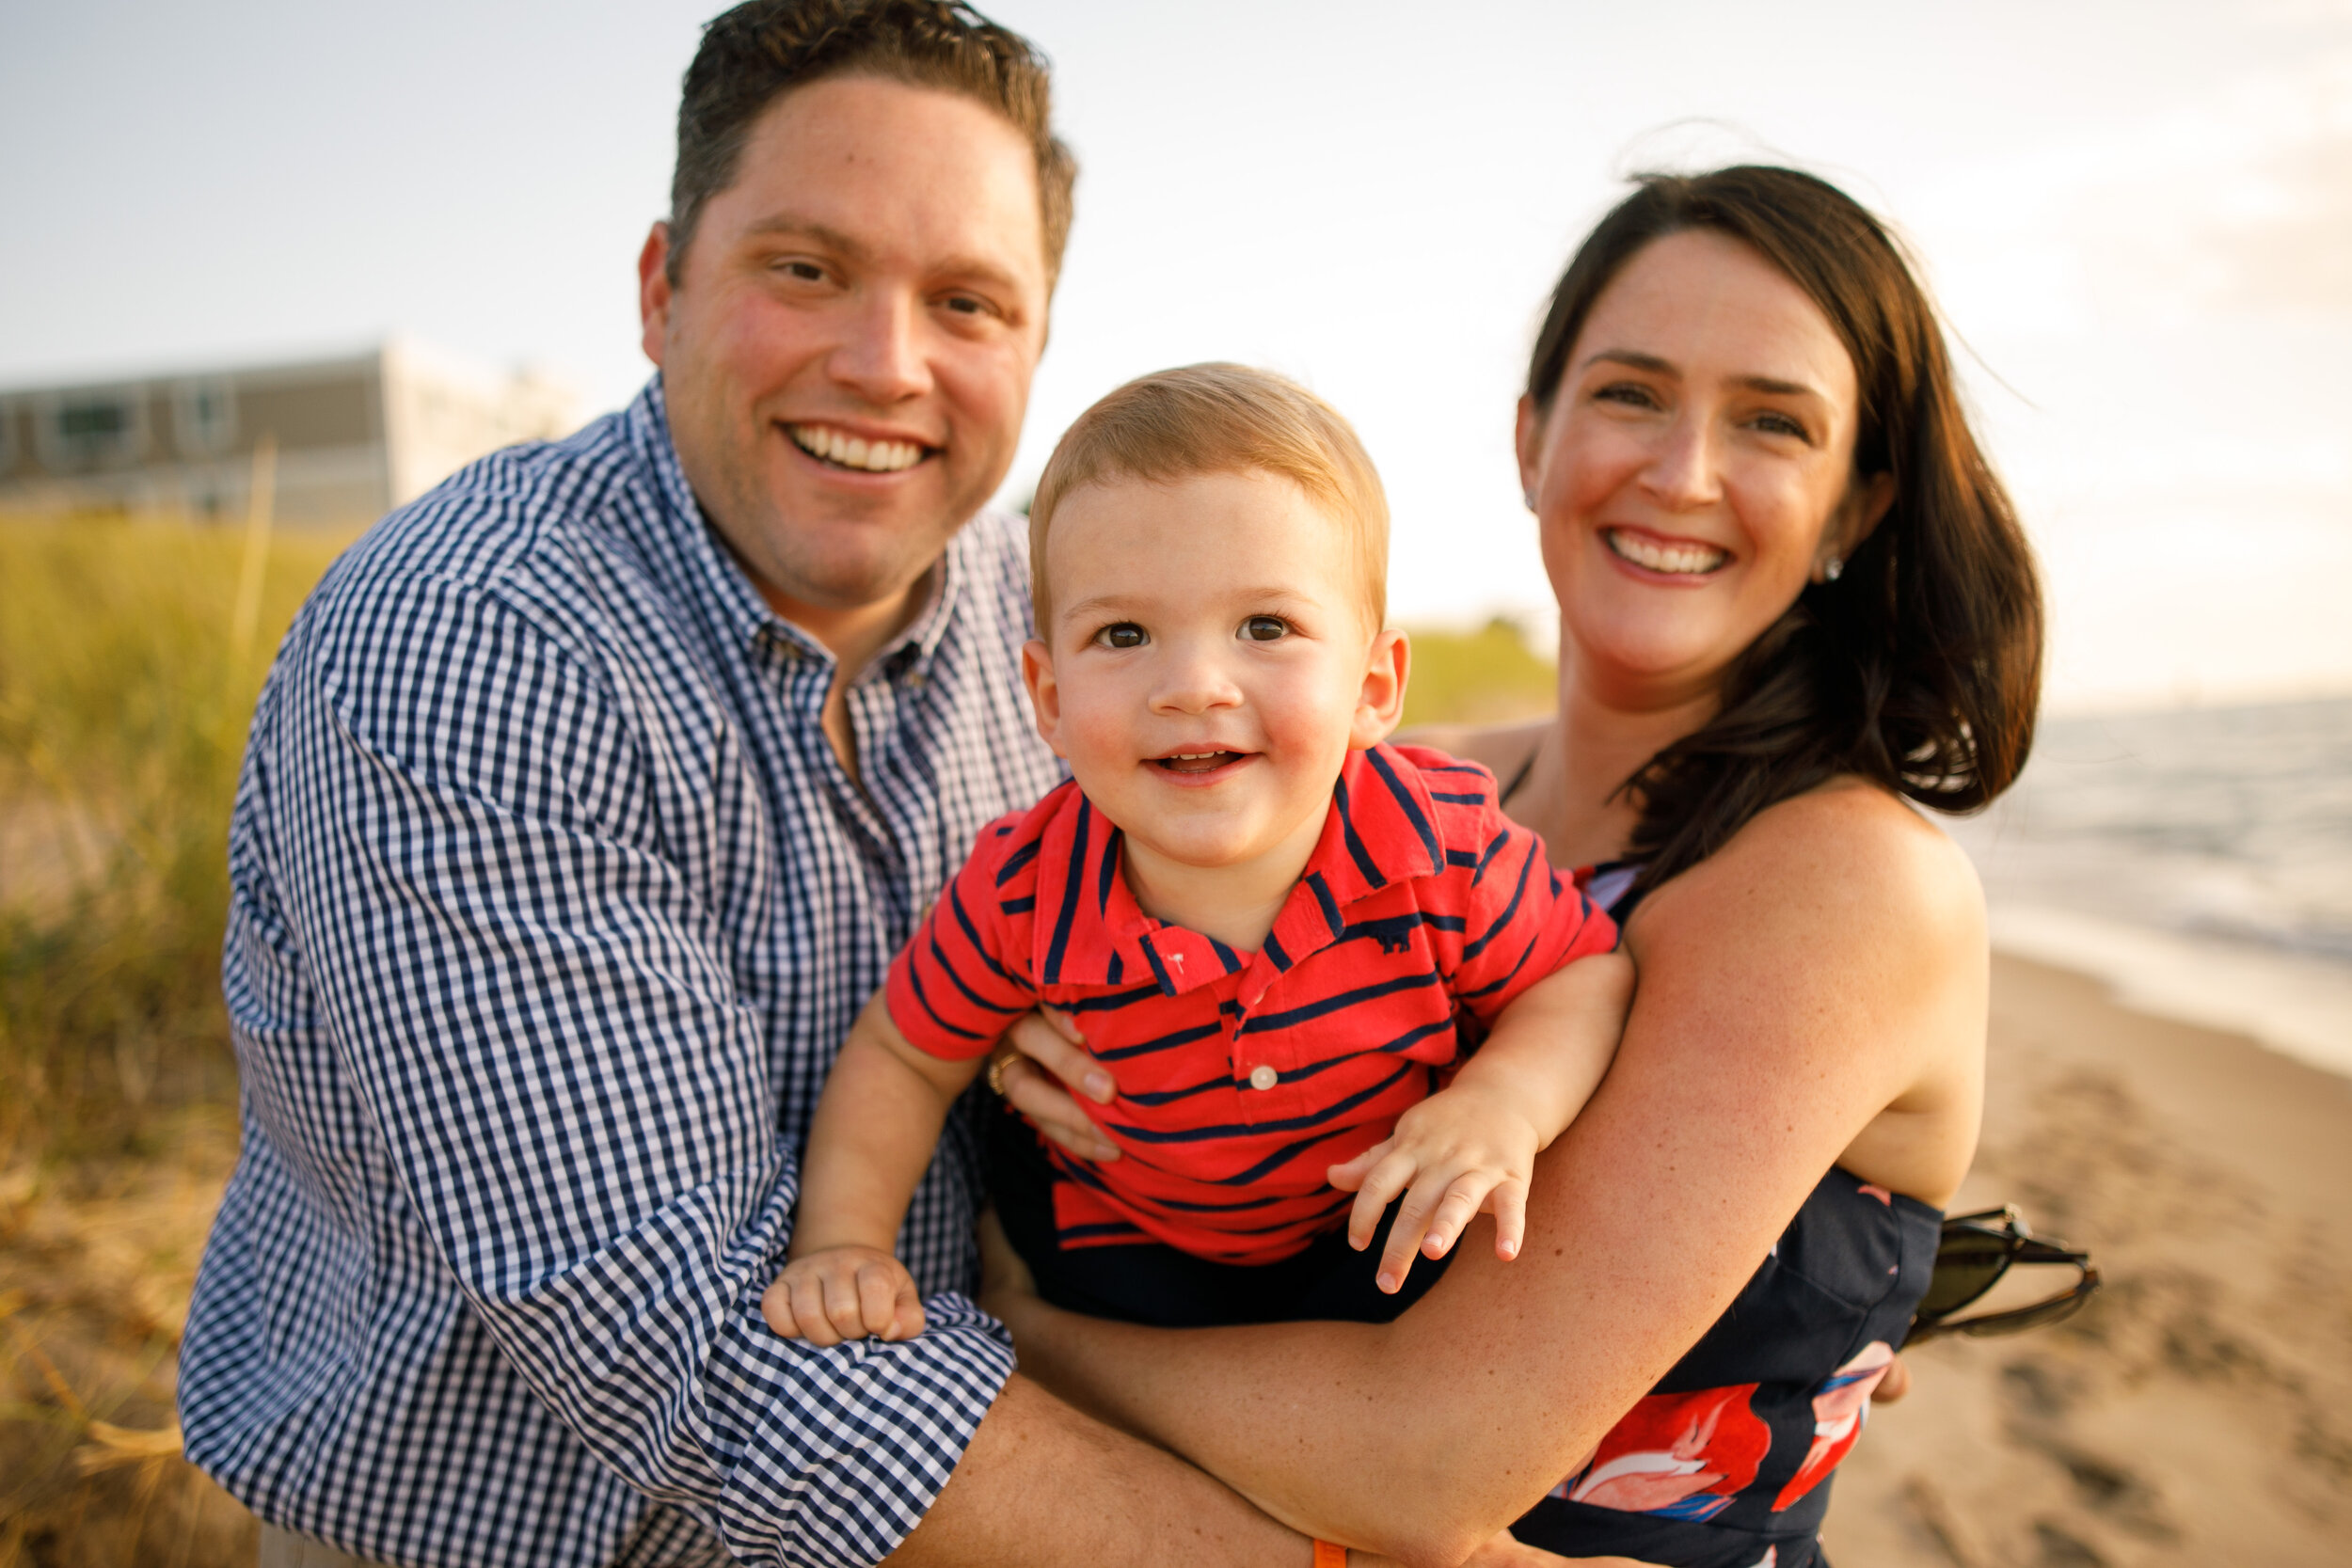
(718, 582)
(1381, 828)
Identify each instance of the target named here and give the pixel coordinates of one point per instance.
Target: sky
(2136, 216)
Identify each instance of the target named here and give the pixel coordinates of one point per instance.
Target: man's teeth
(1691, 559)
(879, 457)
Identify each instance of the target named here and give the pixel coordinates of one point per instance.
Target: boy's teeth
(1693, 558)
(850, 452)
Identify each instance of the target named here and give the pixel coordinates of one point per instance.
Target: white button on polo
(1264, 1077)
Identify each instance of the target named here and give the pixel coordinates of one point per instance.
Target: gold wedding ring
(995, 1074)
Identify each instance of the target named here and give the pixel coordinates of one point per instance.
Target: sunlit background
(2138, 215)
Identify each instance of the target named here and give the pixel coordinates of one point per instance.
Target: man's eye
(1125, 634)
(806, 272)
(1264, 628)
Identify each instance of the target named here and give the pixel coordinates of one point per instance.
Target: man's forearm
(1045, 1485)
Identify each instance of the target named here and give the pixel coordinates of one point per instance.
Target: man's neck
(1236, 904)
(854, 636)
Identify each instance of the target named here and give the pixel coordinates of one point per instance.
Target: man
(587, 801)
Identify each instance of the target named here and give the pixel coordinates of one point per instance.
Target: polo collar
(1381, 828)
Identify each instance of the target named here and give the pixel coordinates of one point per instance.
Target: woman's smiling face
(1695, 468)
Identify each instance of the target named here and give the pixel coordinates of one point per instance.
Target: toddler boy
(1282, 936)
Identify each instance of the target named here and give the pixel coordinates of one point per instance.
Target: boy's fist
(844, 1292)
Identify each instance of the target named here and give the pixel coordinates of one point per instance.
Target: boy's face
(1209, 663)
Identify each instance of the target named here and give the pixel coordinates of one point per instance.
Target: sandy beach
(2200, 1411)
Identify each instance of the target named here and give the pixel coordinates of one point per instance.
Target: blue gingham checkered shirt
(551, 906)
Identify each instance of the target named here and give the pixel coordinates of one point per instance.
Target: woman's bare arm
(1821, 968)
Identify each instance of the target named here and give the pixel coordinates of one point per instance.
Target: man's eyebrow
(786, 226)
(1637, 360)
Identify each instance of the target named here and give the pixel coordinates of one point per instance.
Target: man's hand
(1463, 1149)
(844, 1292)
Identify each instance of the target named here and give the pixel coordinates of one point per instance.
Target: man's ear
(653, 291)
(1381, 701)
(1037, 674)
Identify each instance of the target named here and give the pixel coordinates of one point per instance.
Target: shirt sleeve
(540, 1019)
(952, 991)
(1522, 920)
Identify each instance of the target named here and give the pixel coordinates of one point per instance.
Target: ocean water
(2198, 859)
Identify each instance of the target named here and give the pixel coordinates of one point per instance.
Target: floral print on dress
(1677, 1456)
(1840, 1406)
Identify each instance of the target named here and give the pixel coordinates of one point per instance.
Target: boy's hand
(1463, 1149)
(844, 1292)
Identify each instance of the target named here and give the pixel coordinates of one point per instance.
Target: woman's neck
(1573, 795)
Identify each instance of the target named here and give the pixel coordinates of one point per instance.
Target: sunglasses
(1975, 1251)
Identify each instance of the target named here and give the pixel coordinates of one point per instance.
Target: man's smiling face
(847, 349)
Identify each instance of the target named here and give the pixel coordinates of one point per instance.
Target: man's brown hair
(1219, 419)
(755, 52)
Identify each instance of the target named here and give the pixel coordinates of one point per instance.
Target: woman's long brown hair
(1920, 667)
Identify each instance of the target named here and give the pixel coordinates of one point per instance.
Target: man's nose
(1682, 474)
(881, 356)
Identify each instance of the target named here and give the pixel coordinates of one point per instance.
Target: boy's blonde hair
(1219, 419)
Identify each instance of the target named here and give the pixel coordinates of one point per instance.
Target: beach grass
(131, 652)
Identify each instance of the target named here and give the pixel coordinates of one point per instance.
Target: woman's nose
(1681, 474)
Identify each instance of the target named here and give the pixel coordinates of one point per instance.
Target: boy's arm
(869, 1141)
(1472, 1145)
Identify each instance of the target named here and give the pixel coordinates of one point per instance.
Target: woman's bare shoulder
(1500, 749)
(1848, 857)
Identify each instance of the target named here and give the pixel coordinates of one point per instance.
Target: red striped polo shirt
(1244, 1076)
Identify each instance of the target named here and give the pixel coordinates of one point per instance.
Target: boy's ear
(1037, 674)
(1382, 701)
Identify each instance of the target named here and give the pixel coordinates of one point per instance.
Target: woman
(1792, 597)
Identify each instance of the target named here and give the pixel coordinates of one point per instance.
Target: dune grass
(1485, 677)
(131, 652)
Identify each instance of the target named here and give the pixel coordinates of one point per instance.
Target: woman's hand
(1039, 1065)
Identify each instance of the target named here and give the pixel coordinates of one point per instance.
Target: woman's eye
(1264, 628)
(1629, 392)
(1781, 424)
(1125, 634)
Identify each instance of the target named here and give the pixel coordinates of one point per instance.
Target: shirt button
(1264, 1077)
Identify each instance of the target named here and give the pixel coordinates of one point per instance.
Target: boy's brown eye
(1264, 628)
(1126, 634)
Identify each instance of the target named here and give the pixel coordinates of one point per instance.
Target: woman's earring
(1529, 497)
(1832, 568)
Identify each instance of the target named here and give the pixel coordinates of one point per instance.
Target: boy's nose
(1194, 680)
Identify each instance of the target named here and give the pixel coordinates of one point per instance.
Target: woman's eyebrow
(1631, 359)
(1634, 359)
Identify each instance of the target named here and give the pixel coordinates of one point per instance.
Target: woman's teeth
(879, 457)
(1681, 559)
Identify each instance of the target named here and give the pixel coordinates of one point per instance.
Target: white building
(354, 437)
